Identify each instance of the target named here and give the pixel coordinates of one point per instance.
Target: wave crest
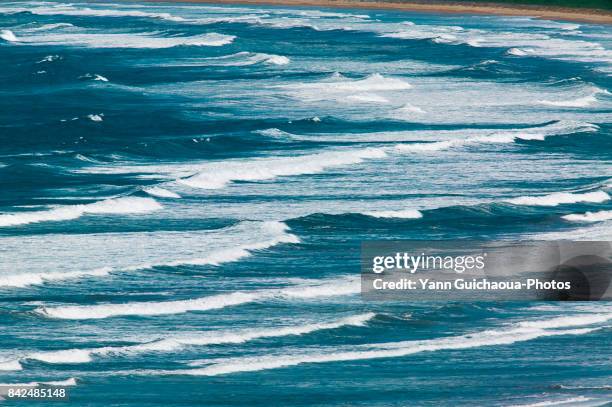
(322, 288)
(127, 205)
(560, 198)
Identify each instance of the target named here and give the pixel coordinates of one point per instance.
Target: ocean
(185, 188)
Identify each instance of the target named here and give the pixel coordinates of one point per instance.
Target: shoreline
(595, 16)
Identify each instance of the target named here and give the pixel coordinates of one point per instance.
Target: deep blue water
(184, 189)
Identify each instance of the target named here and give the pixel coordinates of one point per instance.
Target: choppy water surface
(185, 188)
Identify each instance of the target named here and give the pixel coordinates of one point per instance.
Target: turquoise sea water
(184, 189)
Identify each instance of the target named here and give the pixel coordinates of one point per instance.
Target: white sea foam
(450, 138)
(94, 77)
(589, 216)
(127, 205)
(48, 27)
(517, 52)
(367, 98)
(344, 90)
(161, 192)
(324, 288)
(566, 321)
(138, 251)
(220, 174)
(559, 402)
(405, 213)
(70, 10)
(215, 175)
(376, 351)
(10, 365)
(559, 198)
(131, 40)
(429, 147)
(338, 83)
(504, 335)
(95, 117)
(503, 136)
(27, 279)
(7, 35)
(409, 108)
(174, 343)
(277, 60)
(68, 382)
(584, 101)
(49, 58)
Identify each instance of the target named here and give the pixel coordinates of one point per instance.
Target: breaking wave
(589, 216)
(560, 198)
(68, 382)
(519, 332)
(151, 40)
(74, 356)
(127, 205)
(8, 35)
(322, 288)
(221, 174)
(161, 192)
(405, 214)
(259, 236)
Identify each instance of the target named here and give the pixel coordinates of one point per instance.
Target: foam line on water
(455, 137)
(238, 59)
(176, 343)
(244, 239)
(344, 90)
(67, 382)
(405, 214)
(589, 216)
(125, 205)
(560, 198)
(572, 401)
(8, 35)
(324, 288)
(161, 192)
(70, 10)
(549, 45)
(150, 40)
(517, 332)
(220, 174)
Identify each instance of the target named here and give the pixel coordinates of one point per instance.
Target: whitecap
(94, 77)
(560, 198)
(321, 288)
(589, 216)
(376, 350)
(151, 40)
(222, 173)
(161, 192)
(7, 35)
(49, 58)
(76, 256)
(404, 214)
(10, 365)
(557, 402)
(177, 342)
(67, 382)
(126, 205)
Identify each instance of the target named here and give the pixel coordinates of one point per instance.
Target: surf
(119, 206)
(162, 249)
(178, 342)
(324, 288)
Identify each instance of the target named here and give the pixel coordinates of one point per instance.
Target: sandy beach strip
(586, 15)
